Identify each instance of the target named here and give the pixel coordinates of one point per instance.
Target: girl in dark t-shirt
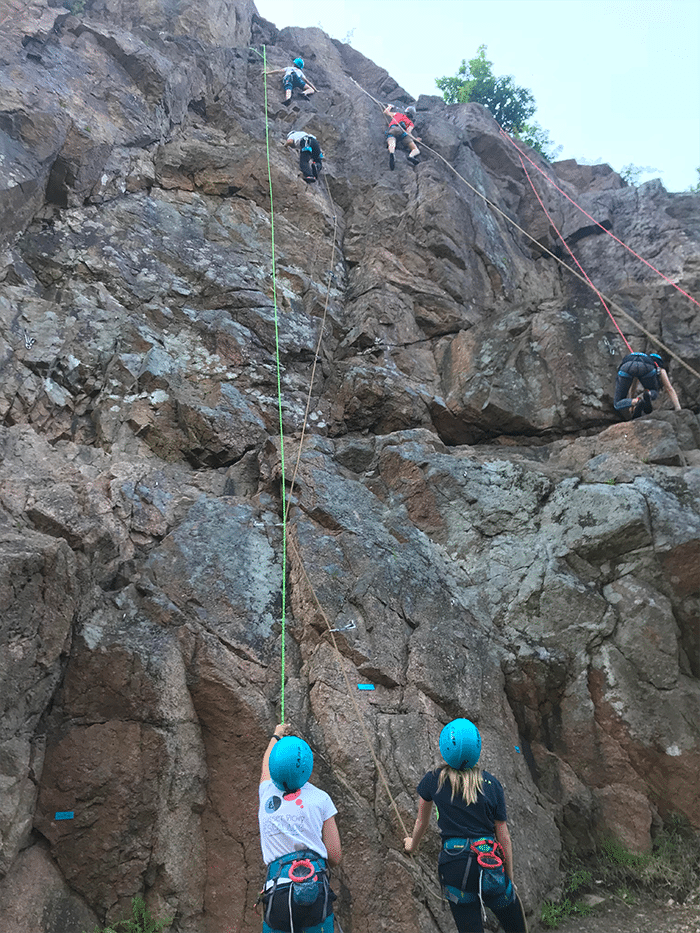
(471, 806)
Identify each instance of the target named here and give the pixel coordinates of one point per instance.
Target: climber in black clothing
(310, 154)
(650, 370)
(476, 862)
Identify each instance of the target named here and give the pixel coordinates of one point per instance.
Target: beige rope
(317, 352)
(613, 304)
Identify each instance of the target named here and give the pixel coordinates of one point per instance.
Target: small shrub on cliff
(141, 921)
(672, 869)
(577, 883)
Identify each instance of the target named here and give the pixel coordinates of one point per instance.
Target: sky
(615, 81)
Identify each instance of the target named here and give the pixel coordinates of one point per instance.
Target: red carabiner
(485, 850)
(302, 863)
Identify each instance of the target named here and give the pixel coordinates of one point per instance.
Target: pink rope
(583, 271)
(617, 240)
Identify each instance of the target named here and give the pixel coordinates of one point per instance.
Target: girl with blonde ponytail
(476, 861)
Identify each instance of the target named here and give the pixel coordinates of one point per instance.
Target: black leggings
(628, 372)
(467, 916)
(310, 157)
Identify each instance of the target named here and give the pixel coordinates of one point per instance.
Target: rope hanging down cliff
(612, 304)
(570, 252)
(279, 403)
(286, 496)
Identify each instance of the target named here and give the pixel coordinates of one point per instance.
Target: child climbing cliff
(399, 130)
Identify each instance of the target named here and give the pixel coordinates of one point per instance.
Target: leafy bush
(553, 914)
(141, 921)
(671, 870)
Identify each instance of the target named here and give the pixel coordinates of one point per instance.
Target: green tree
(512, 106)
(476, 83)
(632, 173)
(695, 189)
(537, 137)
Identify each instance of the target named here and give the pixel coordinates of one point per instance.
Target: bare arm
(280, 730)
(669, 388)
(425, 808)
(331, 840)
(503, 837)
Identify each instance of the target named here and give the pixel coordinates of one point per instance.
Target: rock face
(466, 506)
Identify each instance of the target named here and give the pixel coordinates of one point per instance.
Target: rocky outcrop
(467, 510)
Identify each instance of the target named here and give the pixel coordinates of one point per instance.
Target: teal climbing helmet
(658, 359)
(291, 763)
(460, 744)
(299, 62)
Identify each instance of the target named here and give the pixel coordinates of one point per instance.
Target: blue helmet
(460, 744)
(291, 763)
(299, 62)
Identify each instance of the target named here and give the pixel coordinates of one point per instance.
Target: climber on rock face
(299, 839)
(399, 130)
(650, 370)
(310, 154)
(295, 77)
(476, 861)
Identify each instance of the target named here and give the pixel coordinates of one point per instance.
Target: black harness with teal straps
(302, 899)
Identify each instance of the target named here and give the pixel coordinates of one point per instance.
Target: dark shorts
(291, 81)
(397, 132)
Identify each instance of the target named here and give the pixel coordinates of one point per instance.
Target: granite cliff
(493, 540)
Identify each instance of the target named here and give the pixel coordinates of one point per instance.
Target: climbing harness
(305, 892)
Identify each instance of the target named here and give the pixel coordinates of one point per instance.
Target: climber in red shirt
(399, 130)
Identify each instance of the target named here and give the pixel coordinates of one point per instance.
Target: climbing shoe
(392, 161)
(413, 160)
(647, 402)
(287, 102)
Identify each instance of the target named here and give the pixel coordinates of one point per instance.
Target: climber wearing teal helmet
(476, 862)
(650, 370)
(299, 839)
(294, 77)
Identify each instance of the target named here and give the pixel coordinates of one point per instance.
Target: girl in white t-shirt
(299, 839)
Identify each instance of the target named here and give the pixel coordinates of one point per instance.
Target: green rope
(279, 396)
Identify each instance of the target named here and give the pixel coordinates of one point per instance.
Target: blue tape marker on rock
(65, 815)
(365, 686)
